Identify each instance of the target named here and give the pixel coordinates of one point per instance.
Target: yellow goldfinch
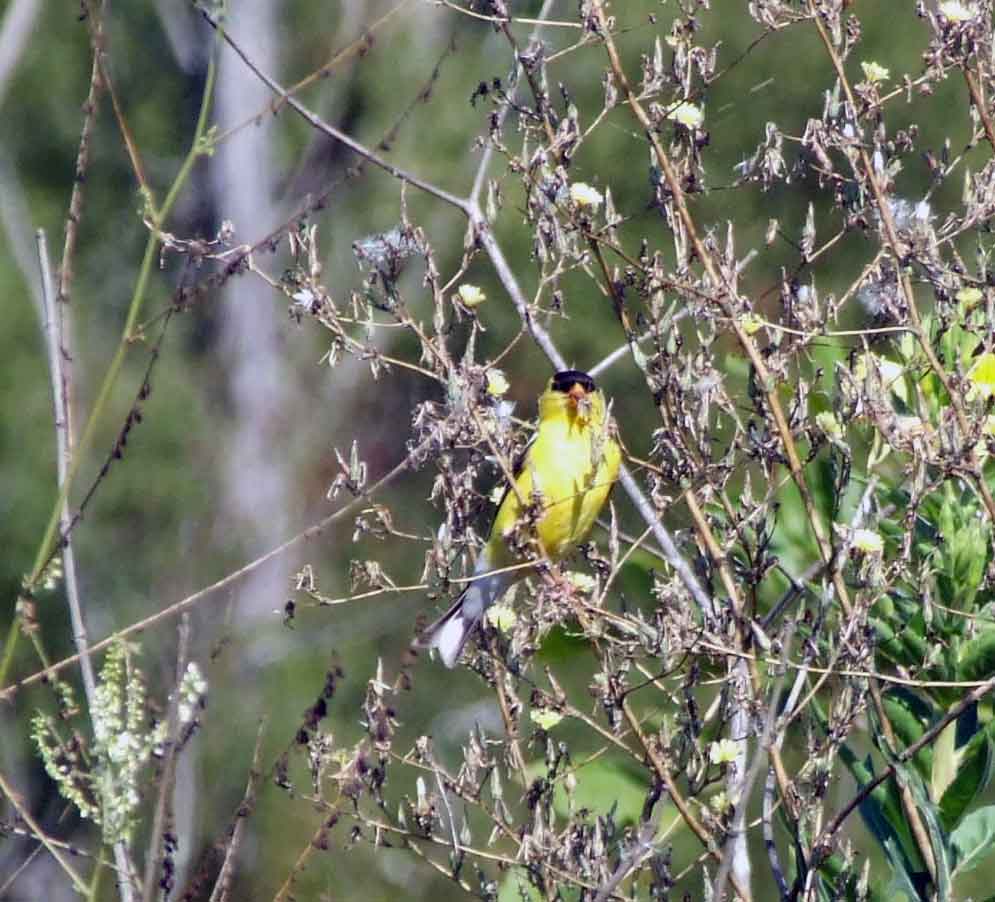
(570, 464)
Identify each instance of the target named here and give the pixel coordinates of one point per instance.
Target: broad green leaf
(973, 839)
(944, 761)
(882, 813)
(977, 658)
(939, 841)
(974, 771)
(911, 716)
(902, 887)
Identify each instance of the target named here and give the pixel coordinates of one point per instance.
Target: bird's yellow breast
(572, 465)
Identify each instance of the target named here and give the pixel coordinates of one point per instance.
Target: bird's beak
(579, 401)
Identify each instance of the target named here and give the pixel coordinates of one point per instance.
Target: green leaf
(839, 882)
(939, 841)
(973, 839)
(902, 887)
(977, 658)
(910, 717)
(882, 812)
(974, 771)
(516, 888)
(602, 784)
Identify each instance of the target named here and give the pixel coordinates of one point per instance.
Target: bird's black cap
(567, 379)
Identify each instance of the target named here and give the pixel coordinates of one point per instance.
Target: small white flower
(583, 582)
(689, 115)
(497, 383)
(502, 413)
(955, 11)
(545, 718)
(969, 297)
(471, 295)
(723, 752)
(867, 541)
(875, 72)
(751, 323)
(119, 747)
(584, 196)
(502, 617)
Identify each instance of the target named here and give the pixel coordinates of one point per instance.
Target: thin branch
(330, 130)
(222, 886)
(59, 357)
(40, 834)
(167, 782)
(226, 582)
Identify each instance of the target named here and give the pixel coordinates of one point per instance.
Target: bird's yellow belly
(572, 492)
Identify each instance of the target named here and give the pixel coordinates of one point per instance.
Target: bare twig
(167, 782)
(222, 886)
(59, 358)
(38, 833)
(191, 601)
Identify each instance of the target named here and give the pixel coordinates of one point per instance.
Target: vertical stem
(59, 358)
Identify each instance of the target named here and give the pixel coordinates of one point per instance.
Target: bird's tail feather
(449, 633)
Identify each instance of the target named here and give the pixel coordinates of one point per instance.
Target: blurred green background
(235, 452)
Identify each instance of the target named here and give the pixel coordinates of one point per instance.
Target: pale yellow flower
(502, 617)
(471, 296)
(875, 72)
(584, 196)
(687, 114)
(970, 297)
(719, 803)
(545, 718)
(497, 384)
(955, 11)
(868, 541)
(584, 582)
(723, 752)
(829, 424)
(751, 323)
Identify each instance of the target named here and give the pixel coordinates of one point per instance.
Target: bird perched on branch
(569, 468)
